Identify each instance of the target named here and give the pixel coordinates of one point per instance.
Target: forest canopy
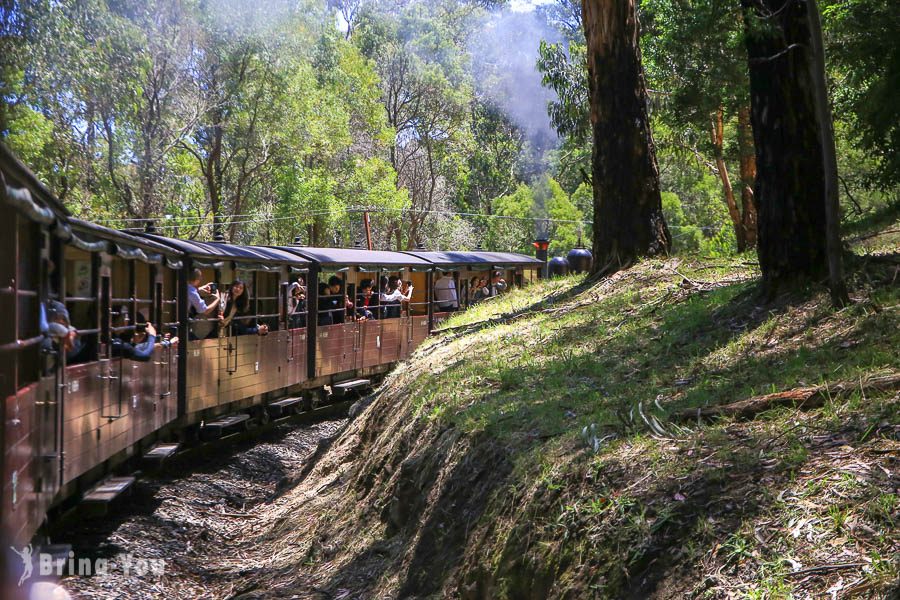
(453, 123)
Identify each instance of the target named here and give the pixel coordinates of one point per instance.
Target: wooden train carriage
(343, 345)
(518, 270)
(111, 281)
(225, 367)
(32, 229)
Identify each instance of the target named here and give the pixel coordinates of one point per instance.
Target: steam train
(70, 419)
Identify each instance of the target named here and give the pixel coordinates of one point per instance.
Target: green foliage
(564, 215)
(516, 232)
(861, 40)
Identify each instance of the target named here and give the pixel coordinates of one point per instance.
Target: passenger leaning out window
(202, 310)
(237, 311)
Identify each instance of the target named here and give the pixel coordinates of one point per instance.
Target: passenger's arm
(210, 307)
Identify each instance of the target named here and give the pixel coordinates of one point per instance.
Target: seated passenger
(445, 293)
(54, 323)
(331, 305)
(393, 298)
(364, 301)
(479, 290)
(137, 345)
(237, 306)
(498, 284)
(297, 304)
(201, 310)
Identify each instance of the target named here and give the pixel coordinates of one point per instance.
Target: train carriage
(32, 231)
(517, 270)
(226, 367)
(343, 346)
(112, 284)
(77, 406)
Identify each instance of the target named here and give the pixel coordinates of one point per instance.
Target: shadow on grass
(579, 379)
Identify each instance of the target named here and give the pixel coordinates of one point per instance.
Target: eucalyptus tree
(425, 95)
(796, 183)
(697, 64)
(628, 218)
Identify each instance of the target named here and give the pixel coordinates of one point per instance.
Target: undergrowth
(533, 449)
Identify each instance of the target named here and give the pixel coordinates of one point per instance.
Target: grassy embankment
(535, 449)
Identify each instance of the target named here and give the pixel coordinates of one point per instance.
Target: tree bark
(717, 135)
(790, 188)
(747, 153)
(833, 248)
(628, 218)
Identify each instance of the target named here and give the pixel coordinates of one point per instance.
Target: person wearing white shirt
(445, 293)
(201, 309)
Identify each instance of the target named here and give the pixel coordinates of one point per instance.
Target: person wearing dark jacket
(331, 306)
(366, 301)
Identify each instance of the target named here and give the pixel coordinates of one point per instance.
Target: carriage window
(168, 304)
(81, 303)
(247, 308)
(418, 304)
(332, 302)
(267, 298)
(143, 292)
(295, 301)
(25, 294)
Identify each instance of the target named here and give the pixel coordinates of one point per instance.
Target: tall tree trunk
(214, 176)
(790, 187)
(833, 248)
(747, 154)
(628, 218)
(717, 136)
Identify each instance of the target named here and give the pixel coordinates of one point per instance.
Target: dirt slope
(531, 452)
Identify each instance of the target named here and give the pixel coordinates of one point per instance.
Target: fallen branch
(825, 569)
(805, 398)
(869, 236)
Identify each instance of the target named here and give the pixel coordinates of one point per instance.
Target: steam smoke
(505, 53)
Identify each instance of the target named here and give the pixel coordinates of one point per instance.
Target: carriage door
(120, 315)
(52, 389)
(109, 378)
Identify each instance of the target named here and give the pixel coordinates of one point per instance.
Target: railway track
(191, 513)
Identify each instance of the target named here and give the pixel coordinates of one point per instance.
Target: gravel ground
(178, 535)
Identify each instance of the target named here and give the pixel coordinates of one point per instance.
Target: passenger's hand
(151, 330)
(205, 287)
(69, 340)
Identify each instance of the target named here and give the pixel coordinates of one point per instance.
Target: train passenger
(54, 323)
(445, 293)
(199, 309)
(137, 345)
(237, 308)
(364, 300)
(332, 307)
(297, 304)
(498, 284)
(478, 290)
(393, 297)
